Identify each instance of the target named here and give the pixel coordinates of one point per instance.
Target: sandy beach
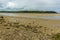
(23, 28)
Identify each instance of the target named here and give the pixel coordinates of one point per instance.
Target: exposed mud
(11, 29)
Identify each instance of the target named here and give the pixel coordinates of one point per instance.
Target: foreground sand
(19, 28)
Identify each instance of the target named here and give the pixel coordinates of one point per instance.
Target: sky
(44, 5)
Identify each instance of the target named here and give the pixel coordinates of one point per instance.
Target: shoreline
(26, 15)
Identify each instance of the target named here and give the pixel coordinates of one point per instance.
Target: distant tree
(28, 12)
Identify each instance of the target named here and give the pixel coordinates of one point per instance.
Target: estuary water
(25, 15)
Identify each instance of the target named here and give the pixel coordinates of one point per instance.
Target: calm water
(45, 17)
(50, 17)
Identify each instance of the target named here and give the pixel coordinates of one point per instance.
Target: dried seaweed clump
(56, 36)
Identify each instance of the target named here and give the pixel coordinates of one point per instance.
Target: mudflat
(22, 28)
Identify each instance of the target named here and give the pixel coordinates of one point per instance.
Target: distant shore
(41, 12)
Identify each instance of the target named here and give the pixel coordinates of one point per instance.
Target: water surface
(29, 16)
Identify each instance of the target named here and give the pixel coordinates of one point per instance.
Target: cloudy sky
(51, 5)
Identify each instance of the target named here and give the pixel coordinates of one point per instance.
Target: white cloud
(34, 4)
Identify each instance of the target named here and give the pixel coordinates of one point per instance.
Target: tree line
(28, 12)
